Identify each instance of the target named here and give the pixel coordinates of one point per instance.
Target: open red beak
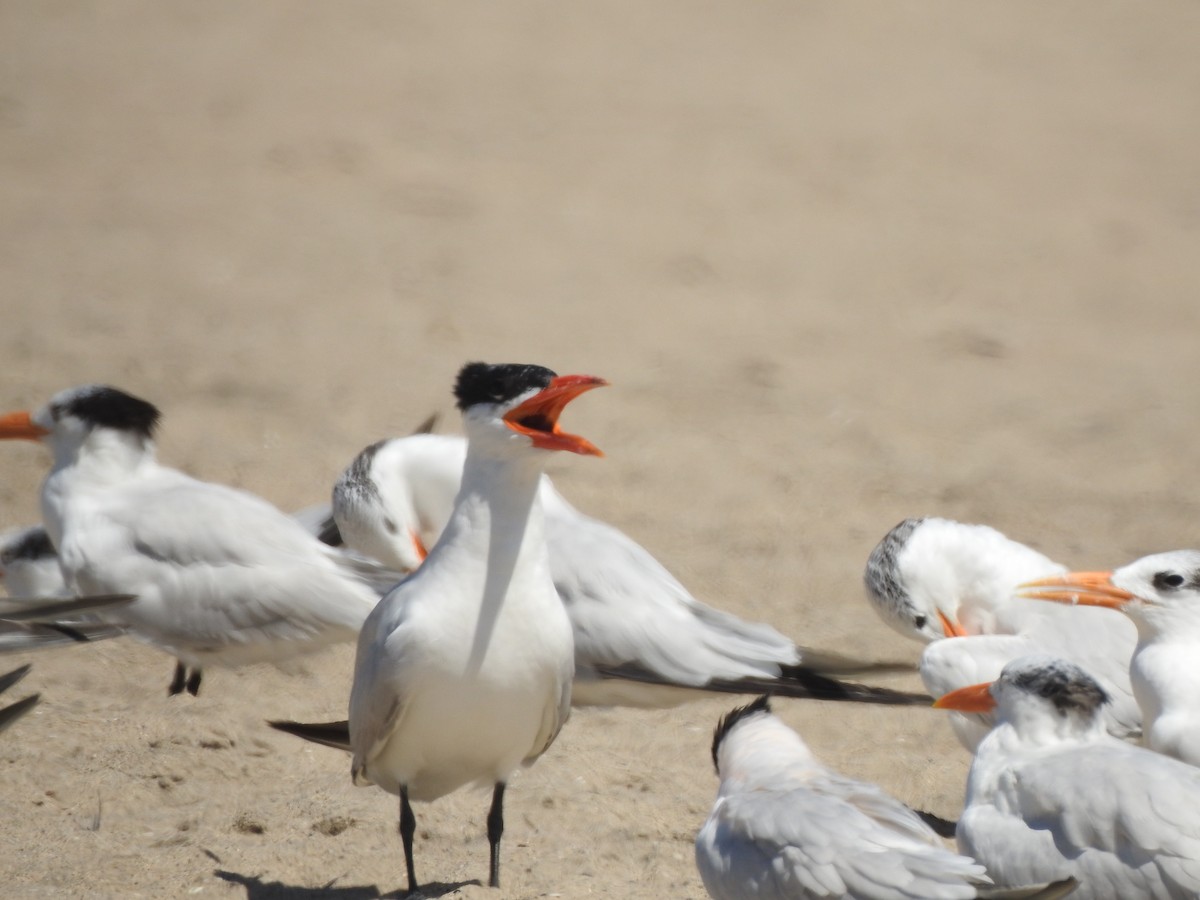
(19, 425)
(974, 699)
(538, 416)
(1082, 588)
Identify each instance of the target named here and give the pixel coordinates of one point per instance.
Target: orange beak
(974, 699)
(538, 416)
(1078, 588)
(950, 627)
(19, 425)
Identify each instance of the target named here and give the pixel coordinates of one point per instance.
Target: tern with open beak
(464, 669)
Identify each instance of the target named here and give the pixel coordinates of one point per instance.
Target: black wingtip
(9, 679)
(330, 533)
(329, 734)
(35, 609)
(942, 827)
(801, 683)
(427, 426)
(10, 714)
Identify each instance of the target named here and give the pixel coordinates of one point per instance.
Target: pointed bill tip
(1077, 589)
(977, 698)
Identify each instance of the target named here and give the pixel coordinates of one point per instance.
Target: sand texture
(842, 263)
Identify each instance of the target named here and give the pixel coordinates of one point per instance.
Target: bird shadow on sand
(257, 889)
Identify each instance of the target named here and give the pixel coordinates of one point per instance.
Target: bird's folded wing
(825, 846)
(1127, 818)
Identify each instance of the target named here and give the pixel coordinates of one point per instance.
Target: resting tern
(221, 576)
(785, 827)
(1161, 595)
(933, 578)
(464, 670)
(1051, 794)
(641, 639)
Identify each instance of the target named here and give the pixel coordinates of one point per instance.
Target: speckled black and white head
(521, 404)
(1040, 693)
(71, 416)
(760, 707)
(886, 589)
(1036, 694)
(931, 577)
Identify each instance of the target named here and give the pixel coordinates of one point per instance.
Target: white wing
(1123, 820)
(845, 840)
(627, 609)
(221, 575)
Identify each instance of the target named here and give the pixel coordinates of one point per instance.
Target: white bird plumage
(934, 578)
(1160, 595)
(641, 639)
(786, 827)
(221, 576)
(1051, 794)
(463, 671)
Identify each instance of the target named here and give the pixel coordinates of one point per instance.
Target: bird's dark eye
(920, 621)
(1166, 581)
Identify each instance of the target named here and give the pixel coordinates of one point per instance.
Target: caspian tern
(464, 670)
(785, 827)
(934, 578)
(641, 639)
(221, 576)
(1161, 595)
(1051, 794)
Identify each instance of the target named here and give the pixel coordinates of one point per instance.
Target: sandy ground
(841, 263)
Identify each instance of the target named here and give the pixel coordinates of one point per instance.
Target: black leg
(408, 827)
(193, 682)
(495, 822)
(177, 683)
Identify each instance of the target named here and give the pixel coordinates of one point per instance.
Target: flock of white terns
(484, 606)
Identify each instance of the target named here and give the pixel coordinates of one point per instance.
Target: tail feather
(836, 664)
(37, 609)
(17, 637)
(1050, 891)
(11, 713)
(800, 683)
(942, 827)
(8, 679)
(330, 734)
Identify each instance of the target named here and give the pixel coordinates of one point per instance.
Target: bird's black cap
(107, 407)
(1065, 685)
(34, 544)
(484, 383)
(760, 705)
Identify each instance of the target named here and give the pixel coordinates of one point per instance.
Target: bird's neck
(103, 459)
(1041, 730)
(495, 544)
(497, 525)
